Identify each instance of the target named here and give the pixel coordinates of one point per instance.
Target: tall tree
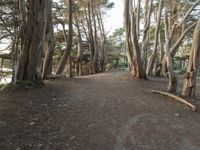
(176, 36)
(152, 58)
(65, 56)
(32, 43)
(133, 51)
(189, 86)
(172, 84)
(80, 48)
(49, 43)
(147, 22)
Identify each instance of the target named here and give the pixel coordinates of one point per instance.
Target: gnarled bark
(32, 43)
(189, 86)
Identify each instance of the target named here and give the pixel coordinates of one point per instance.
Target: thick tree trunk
(32, 43)
(172, 85)
(152, 58)
(189, 86)
(66, 54)
(133, 52)
(49, 43)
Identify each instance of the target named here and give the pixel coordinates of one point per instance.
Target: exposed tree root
(176, 98)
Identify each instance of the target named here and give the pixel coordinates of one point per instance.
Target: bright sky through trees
(114, 17)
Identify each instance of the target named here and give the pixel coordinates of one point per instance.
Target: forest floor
(107, 111)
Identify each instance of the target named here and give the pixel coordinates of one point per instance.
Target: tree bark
(95, 57)
(91, 37)
(189, 86)
(172, 84)
(147, 21)
(49, 43)
(102, 51)
(152, 58)
(133, 51)
(65, 56)
(32, 43)
(80, 49)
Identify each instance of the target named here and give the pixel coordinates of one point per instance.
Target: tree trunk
(147, 21)
(95, 57)
(65, 56)
(49, 43)
(153, 55)
(91, 37)
(172, 85)
(174, 37)
(133, 52)
(32, 43)
(189, 85)
(102, 51)
(138, 18)
(80, 50)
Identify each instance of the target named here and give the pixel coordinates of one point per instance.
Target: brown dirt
(102, 112)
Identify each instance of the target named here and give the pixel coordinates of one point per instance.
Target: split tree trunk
(189, 86)
(32, 43)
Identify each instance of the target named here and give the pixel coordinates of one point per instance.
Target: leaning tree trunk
(152, 58)
(65, 56)
(49, 43)
(189, 86)
(32, 43)
(172, 85)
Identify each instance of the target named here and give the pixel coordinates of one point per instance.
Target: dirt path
(100, 112)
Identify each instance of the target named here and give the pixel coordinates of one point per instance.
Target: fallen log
(175, 98)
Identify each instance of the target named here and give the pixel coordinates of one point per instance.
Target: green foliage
(115, 46)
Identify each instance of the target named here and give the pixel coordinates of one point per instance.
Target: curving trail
(107, 111)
